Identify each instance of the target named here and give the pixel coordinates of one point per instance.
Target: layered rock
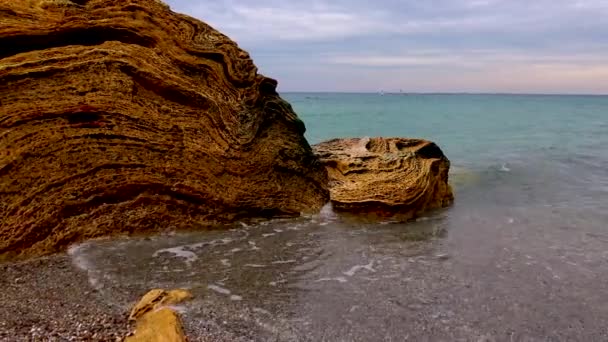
(154, 318)
(122, 116)
(386, 176)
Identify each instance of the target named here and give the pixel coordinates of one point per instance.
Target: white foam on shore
(219, 289)
(338, 279)
(76, 252)
(211, 243)
(224, 291)
(253, 245)
(357, 268)
(281, 262)
(255, 265)
(327, 213)
(179, 252)
(275, 283)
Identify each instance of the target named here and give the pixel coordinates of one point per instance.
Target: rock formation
(386, 176)
(122, 116)
(155, 320)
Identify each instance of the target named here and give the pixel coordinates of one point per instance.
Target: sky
(488, 46)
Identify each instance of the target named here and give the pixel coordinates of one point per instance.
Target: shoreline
(51, 298)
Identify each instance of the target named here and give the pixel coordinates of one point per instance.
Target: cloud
(283, 21)
(469, 58)
(463, 39)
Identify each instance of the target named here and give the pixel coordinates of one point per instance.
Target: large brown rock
(122, 116)
(386, 176)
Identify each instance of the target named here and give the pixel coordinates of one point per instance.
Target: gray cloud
(424, 42)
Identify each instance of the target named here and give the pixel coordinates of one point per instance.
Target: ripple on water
(323, 278)
(180, 252)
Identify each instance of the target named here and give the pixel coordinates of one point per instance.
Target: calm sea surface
(521, 256)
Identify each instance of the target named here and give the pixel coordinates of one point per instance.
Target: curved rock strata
(386, 176)
(122, 116)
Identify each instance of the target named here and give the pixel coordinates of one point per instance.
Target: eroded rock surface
(155, 320)
(122, 116)
(386, 176)
(157, 298)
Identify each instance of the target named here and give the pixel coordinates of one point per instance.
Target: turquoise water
(473, 130)
(521, 256)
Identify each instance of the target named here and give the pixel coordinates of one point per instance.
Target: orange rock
(386, 176)
(155, 320)
(121, 116)
(155, 299)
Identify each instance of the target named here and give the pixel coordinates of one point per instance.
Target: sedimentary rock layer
(122, 116)
(386, 176)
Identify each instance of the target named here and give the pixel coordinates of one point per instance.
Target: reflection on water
(523, 255)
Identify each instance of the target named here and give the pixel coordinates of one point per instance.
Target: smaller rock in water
(396, 177)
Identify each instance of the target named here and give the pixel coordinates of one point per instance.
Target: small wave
(76, 252)
(281, 262)
(338, 279)
(275, 283)
(327, 214)
(357, 268)
(219, 289)
(179, 252)
(224, 291)
(254, 246)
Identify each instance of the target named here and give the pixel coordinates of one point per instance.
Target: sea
(522, 255)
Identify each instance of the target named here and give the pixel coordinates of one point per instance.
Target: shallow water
(521, 256)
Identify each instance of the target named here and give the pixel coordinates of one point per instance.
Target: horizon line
(440, 93)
